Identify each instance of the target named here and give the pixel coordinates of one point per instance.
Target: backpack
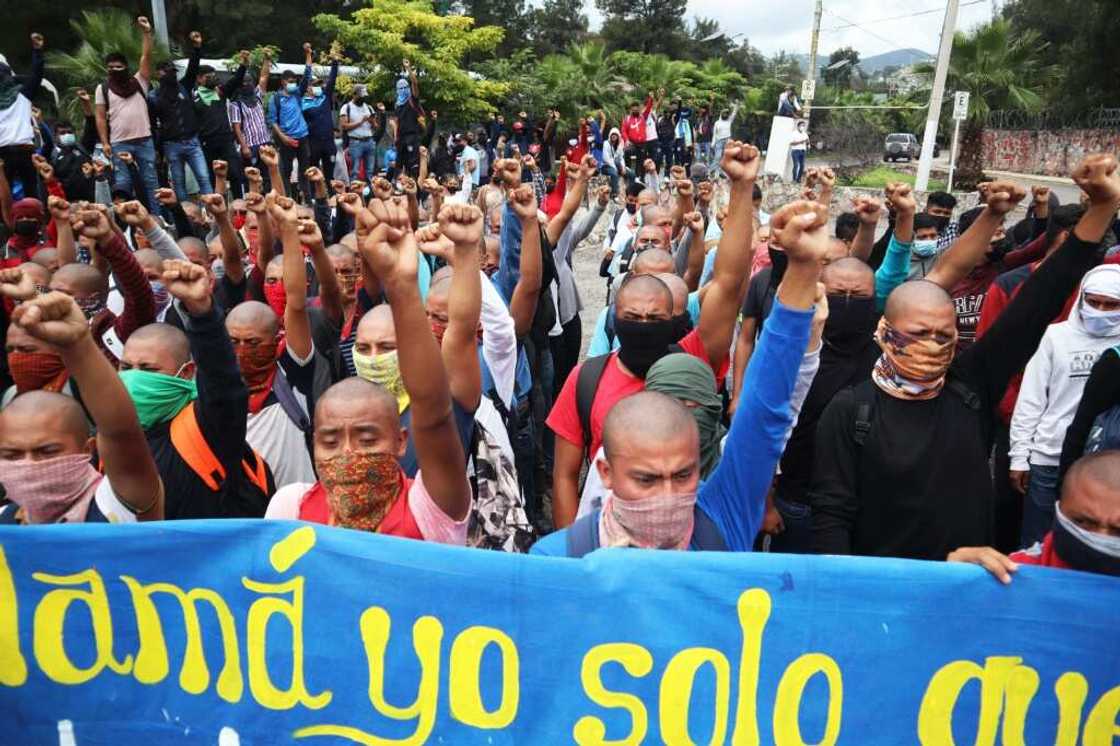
(865, 405)
(498, 519)
(583, 535)
(1104, 435)
(286, 398)
(253, 488)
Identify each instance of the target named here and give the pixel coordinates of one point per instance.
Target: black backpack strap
(288, 402)
(583, 535)
(590, 373)
(960, 388)
(864, 394)
(608, 327)
(706, 534)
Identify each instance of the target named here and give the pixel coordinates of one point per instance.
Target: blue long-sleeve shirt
(734, 497)
(286, 110)
(318, 110)
(894, 271)
(509, 265)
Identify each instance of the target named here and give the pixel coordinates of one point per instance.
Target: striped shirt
(253, 127)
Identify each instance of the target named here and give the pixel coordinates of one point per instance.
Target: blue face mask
(404, 92)
(67, 140)
(316, 91)
(291, 87)
(925, 247)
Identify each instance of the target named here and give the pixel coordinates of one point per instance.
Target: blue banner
(227, 632)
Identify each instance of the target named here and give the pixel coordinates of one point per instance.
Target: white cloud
(787, 24)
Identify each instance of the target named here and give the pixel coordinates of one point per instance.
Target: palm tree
(1002, 71)
(101, 32)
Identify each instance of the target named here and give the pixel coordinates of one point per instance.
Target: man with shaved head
(358, 437)
(650, 464)
(1086, 529)
(47, 258)
(90, 289)
(284, 378)
(45, 443)
(192, 404)
(902, 463)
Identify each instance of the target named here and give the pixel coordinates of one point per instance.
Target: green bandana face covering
(158, 397)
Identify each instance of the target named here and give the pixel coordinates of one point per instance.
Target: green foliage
(388, 32)
(840, 77)
(880, 176)
(257, 56)
(647, 26)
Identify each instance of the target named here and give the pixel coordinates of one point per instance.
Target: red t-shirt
(613, 386)
(1041, 554)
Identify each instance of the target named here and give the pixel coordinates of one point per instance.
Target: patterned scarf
(655, 522)
(360, 487)
(911, 368)
(53, 490)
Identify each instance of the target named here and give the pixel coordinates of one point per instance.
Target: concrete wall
(1045, 152)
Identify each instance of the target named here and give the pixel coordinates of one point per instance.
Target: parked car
(904, 145)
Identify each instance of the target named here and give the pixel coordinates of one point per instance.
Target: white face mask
(925, 247)
(316, 90)
(1100, 323)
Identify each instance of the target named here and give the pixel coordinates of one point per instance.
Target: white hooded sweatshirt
(1055, 377)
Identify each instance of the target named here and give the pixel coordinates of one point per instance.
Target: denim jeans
(143, 152)
(1038, 505)
(704, 153)
(797, 538)
(362, 151)
(716, 155)
(798, 164)
(612, 174)
(182, 153)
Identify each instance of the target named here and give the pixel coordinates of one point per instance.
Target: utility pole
(808, 102)
(921, 183)
(159, 23)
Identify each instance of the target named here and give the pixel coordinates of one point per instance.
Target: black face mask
(643, 343)
(119, 76)
(779, 261)
(26, 228)
(1080, 556)
(998, 250)
(942, 222)
(631, 207)
(682, 325)
(851, 322)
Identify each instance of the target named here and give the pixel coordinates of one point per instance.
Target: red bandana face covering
(360, 487)
(276, 297)
(37, 371)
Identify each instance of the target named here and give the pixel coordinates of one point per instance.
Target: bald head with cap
(42, 424)
(651, 446)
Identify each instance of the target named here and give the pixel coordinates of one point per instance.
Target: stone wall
(1046, 152)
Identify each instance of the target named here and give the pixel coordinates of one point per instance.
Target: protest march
(368, 398)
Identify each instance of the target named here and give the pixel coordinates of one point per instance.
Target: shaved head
(642, 291)
(1101, 468)
(341, 251)
(255, 315)
(39, 274)
(916, 297)
(376, 333)
(648, 418)
(652, 261)
(40, 424)
(357, 395)
(195, 250)
(170, 339)
(47, 258)
(679, 289)
(849, 275)
(79, 279)
(441, 284)
(837, 250)
(151, 262)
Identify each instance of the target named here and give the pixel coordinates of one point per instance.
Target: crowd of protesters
(226, 301)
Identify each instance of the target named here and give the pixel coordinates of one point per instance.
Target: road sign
(808, 88)
(960, 105)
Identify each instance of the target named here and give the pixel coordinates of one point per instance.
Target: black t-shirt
(408, 120)
(760, 298)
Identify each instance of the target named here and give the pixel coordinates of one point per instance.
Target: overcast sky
(786, 24)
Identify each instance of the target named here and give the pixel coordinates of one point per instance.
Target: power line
(893, 42)
(896, 18)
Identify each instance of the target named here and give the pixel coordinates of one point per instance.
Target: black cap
(205, 69)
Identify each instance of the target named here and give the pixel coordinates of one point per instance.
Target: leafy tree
(391, 31)
(555, 25)
(839, 77)
(507, 14)
(650, 26)
(1002, 70)
(747, 60)
(702, 45)
(784, 66)
(1081, 36)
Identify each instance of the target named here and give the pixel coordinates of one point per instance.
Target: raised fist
(462, 224)
(801, 229)
(189, 283)
(1098, 177)
(144, 24)
(195, 38)
(53, 318)
(1003, 196)
(17, 284)
(221, 168)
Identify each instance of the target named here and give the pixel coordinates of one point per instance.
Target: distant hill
(897, 57)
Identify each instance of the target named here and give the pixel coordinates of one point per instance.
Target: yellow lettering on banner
(935, 718)
(427, 637)
(754, 612)
(1022, 683)
(282, 556)
(787, 702)
(1071, 689)
(676, 694)
(463, 678)
(50, 624)
(637, 662)
(1101, 726)
(194, 675)
(13, 667)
